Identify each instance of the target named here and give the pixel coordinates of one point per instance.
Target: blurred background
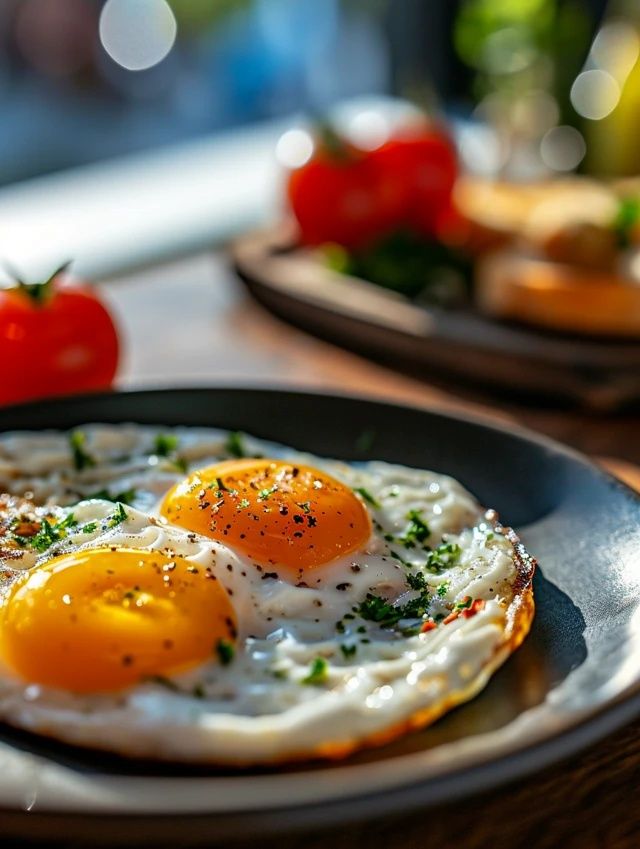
(86, 80)
(534, 86)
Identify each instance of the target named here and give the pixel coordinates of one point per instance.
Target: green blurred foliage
(421, 269)
(196, 15)
(518, 45)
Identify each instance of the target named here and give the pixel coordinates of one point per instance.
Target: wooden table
(190, 323)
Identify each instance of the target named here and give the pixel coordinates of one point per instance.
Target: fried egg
(201, 596)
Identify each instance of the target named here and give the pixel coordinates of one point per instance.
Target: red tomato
(424, 160)
(345, 197)
(56, 338)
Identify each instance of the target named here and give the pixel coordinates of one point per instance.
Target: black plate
(602, 374)
(575, 678)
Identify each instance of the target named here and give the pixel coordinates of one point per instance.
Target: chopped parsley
(463, 604)
(366, 496)
(442, 589)
(348, 651)
(225, 651)
(305, 506)
(244, 504)
(318, 672)
(417, 581)
(265, 493)
(376, 609)
(234, 445)
(89, 528)
(179, 463)
(81, 458)
(418, 530)
(124, 497)
(443, 557)
(279, 673)
(165, 444)
(119, 516)
(48, 534)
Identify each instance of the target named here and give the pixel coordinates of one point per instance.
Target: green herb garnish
(280, 674)
(165, 444)
(443, 557)
(265, 493)
(119, 516)
(376, 609)
(234, 445)
(418, 530)
(81, 458)
(225, 651)
(348, 651)
(366, 495)
(417, 581)
(48, 534)
(318, 672)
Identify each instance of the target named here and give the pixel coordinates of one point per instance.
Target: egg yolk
(277, 513)
(102, 619)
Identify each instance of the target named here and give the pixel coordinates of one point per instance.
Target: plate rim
(461, 781)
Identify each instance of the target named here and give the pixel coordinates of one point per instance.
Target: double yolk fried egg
(200, 596)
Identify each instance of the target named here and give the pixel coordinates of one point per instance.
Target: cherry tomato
(343, 195)
(56, 338)
(424, 160)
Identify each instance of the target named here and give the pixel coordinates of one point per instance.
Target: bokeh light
(137, 34)
(294, 148)
(562, 148)
(369, 129)
(616, 48)
(595, 94)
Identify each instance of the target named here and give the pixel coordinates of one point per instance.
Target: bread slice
(559, 296)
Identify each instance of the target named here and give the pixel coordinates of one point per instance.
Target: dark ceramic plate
(602, 374)
(576, 677)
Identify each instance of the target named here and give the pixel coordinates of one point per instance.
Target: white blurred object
(147, 207)
(595, 94)
(142, 208)
(137, 34)
(563, 148)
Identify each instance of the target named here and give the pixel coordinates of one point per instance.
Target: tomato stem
(332, 142)
(38, 293)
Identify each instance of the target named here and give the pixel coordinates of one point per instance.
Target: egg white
(266, 706)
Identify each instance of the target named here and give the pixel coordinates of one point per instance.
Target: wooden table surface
(190, 323)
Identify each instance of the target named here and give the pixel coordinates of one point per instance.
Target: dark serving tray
(575, 678)
(596, 373)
